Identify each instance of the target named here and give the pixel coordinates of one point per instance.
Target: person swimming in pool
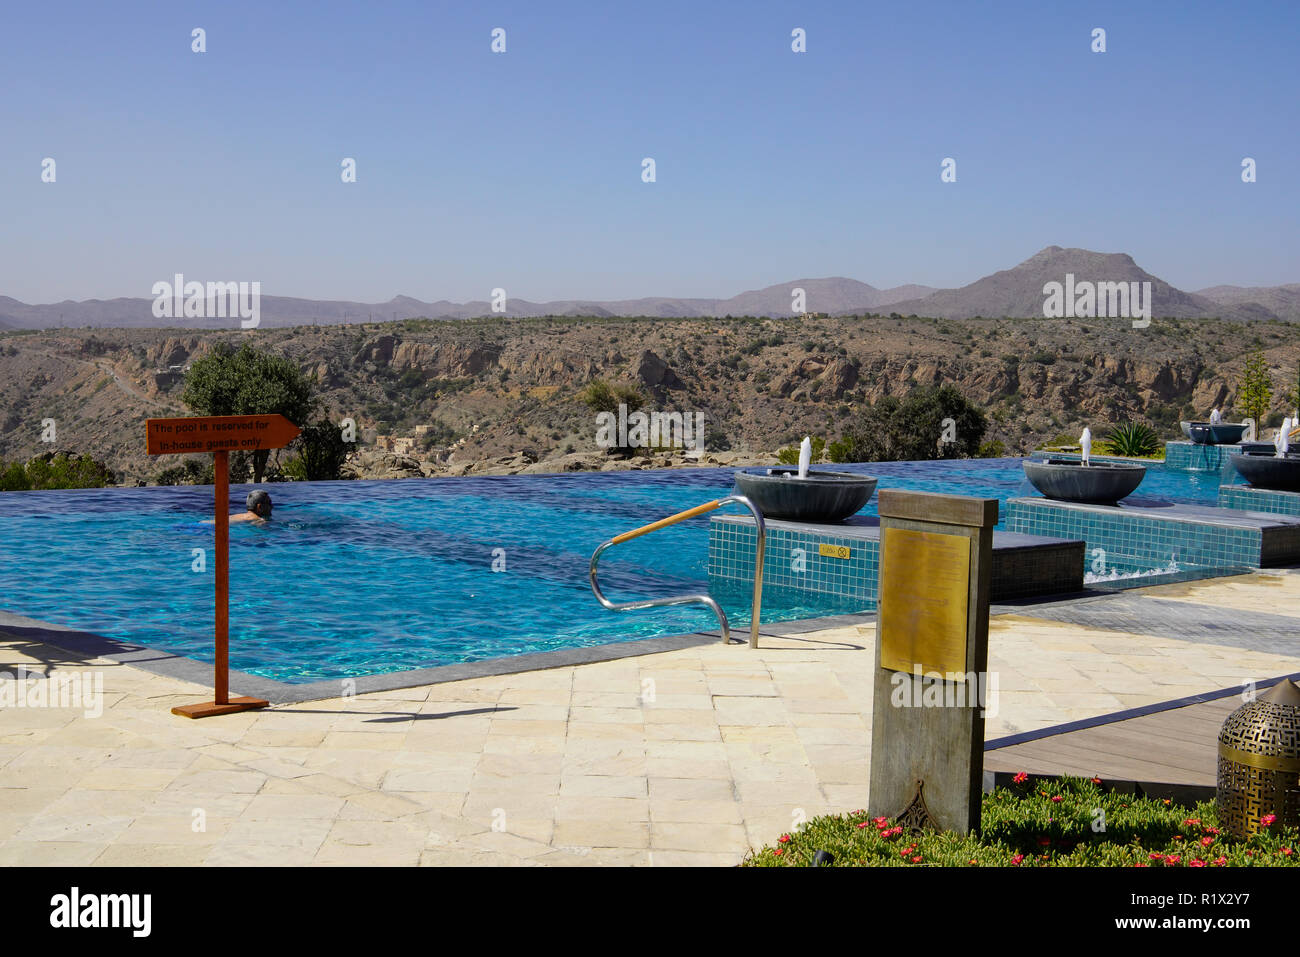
(259, 508)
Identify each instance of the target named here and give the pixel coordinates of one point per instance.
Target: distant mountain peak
(1017, 292)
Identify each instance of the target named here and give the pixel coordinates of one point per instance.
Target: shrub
(600, 396)
(321, 453)
(1133, 439)
(189, 472)
(910, 430)
(55, 471)
(1042, 823)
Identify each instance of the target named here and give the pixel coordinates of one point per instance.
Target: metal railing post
(760, 551)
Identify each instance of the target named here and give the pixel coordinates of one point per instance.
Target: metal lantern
(1259, 761)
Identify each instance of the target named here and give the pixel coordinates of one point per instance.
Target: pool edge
(14, 627)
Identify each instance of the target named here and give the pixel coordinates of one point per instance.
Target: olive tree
(249, 382)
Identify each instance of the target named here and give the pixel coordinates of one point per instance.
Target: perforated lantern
(1259, 761)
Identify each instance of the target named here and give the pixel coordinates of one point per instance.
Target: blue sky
(523, 170)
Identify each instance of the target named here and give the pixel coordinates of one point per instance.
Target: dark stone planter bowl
(1100, 483)
(1269, 471)
(818, 497)
(1203, 433)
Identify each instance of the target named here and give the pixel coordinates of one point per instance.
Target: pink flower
(880, 821)
(862, 825)
(784, 838)
(1021, 778)
(1267, 820)
(1172, 858)
(1206, 841)
(1220, 861)
(1192, 820)
(1196, 863)
(917, 859)
(1015, 861)
(1057, 799)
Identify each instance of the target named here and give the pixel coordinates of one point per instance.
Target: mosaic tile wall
(1155, 541)
(731, 555)
(1046, 569)
(1259, 499)
(1190, 457)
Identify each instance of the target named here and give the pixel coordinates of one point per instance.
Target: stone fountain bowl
(1269, 471)
(1203, 433)
(1099, 483)
(819, 497)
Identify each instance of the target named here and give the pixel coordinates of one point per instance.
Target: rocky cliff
(504, 394)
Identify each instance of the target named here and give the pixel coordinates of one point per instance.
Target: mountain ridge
(1016, 292)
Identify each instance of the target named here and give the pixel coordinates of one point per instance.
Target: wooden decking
(1177, 746)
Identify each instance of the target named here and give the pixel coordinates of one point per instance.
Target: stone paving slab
(1246, 625)
(688, 756)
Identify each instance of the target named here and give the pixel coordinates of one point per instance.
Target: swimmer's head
(259, 503)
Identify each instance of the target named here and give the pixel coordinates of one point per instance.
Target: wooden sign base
(207, 709)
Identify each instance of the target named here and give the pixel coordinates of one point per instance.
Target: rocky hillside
(507, 391)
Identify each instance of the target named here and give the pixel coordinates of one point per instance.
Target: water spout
(1282, 441)
(805, 456)
(1085, 444)
(1215, 416)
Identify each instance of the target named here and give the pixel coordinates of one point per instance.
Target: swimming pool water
(355, 578)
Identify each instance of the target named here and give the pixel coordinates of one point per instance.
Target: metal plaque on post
(927, 732)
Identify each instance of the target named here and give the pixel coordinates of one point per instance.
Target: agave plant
(1133, 439)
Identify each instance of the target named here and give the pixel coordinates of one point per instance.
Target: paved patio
(685, 757)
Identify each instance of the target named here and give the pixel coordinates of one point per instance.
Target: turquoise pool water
(357, 578)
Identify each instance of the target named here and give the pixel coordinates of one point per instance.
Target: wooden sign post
(931, 675)
(219, 435)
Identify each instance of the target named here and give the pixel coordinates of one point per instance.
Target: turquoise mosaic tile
(1191, 457)
(1133, 536)
(1259, 499)
(793, 559)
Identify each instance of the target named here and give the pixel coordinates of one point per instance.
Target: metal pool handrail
(692, 599)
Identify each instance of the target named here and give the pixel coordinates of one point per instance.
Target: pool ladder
(692, 599)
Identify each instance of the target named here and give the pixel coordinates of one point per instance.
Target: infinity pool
(356, 578)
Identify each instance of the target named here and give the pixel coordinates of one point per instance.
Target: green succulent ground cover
(1071, 822)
